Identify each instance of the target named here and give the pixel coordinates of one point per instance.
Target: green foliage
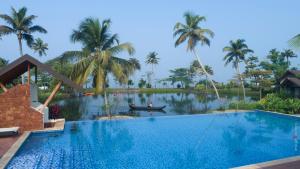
(98, 57)
(148, 85)
(276, 63)
(142, 83)
(272, 102)
(39, 46)
(3, 62)
(181, 75)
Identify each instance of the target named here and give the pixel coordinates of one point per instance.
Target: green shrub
(275, 102)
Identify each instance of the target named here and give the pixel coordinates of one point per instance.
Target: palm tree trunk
(152, 80)
(212, 83)
(260, 93)
(21, 52)
(241, 80)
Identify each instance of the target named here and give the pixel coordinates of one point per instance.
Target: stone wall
(16, 111)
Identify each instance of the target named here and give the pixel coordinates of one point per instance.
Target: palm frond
(37, 28)
(295, 42)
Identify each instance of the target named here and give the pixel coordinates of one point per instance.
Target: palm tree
(21, 25)
(236, 53)
(98, 57)
(153, 60)
(135, 64)
(288, 53)
(193, 33)
(39, 46)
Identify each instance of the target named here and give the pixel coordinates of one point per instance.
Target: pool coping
(268, 164)
(6, 158)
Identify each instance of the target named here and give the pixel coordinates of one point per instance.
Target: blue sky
(264, 24)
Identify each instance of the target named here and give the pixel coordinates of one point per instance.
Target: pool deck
(10, 145)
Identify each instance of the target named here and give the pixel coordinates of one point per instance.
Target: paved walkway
(6, 143)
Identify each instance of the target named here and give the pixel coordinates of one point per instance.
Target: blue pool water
(174, 142)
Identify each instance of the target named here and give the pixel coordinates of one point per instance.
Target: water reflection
(89, 107)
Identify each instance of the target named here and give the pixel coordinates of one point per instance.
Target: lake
(91, 107)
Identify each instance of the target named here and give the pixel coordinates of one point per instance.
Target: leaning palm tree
(236, 53)
(152, 59)
(98, 58)
(39, 46)
(194, 34)
(21, 25)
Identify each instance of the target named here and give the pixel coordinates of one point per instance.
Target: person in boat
(150, 105)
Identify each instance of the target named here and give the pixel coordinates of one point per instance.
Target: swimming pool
(173, 142)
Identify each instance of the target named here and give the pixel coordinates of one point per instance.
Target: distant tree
(130, 83)
(142, 83)
(288, 53)
(152, 59)
(181, 75)
(276, 64)
(191, 31)
(236, 53)
(40, 47)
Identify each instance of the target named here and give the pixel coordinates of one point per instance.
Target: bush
(272, 102)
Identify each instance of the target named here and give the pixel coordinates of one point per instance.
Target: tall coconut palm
(98, 58)
(194, 34)
(236, 53)
(39, 46)
(288, 53)
(21, 25)
(152, 59)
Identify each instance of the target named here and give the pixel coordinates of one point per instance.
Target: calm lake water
(90, 107)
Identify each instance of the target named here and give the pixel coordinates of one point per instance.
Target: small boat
(88, 94)
(132, 107)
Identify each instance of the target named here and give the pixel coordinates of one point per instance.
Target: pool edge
(13, 149)
(6, 158)
(270, 164)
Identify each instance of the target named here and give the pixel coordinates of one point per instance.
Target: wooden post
(57, 87)
(3, 87)
(35, 76)
(28, 69)
(42, 107)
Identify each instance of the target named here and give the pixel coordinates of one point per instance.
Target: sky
(148, 25)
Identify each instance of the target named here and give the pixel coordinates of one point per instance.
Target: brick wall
(15, 110)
